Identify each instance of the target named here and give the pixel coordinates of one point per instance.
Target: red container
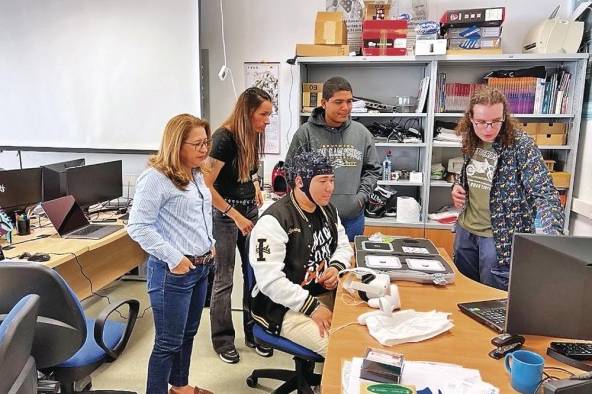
(384, 37)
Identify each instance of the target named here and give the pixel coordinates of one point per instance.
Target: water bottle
(387, 165)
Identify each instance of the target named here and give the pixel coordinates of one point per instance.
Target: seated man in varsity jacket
(297, 248)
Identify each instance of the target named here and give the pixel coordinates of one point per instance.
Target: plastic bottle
(387, 165)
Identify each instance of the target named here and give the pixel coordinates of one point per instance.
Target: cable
(288, 139)
(334, 330)
(224, 70)
(223, 37)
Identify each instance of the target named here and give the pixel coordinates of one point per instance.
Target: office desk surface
(467, 343)
(102, 261)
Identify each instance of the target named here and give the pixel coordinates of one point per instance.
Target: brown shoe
(196, 390)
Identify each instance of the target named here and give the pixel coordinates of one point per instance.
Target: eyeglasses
(200, 144)
(482, 124)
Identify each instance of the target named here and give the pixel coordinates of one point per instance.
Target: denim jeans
(354, 226)
(476, 258)
(228, 237)
(177, 302)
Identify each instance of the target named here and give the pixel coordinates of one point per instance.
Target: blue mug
(525, 369)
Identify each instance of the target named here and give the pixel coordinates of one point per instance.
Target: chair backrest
(16, 339)
(61, 327)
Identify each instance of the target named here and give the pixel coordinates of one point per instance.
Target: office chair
(18, 374)
(302, 377)
(67, 346)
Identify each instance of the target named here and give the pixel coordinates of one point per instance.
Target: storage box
(530, 128)
(550, 164)
(474, 16)
(474, 52)
(483, 32)
(552, 128)
(550, 139)
(387, 38)
(561, 179)
(321, 50)
(312, 94)
(474, 43)
(430, 47)
(376, 10)
(330, 29)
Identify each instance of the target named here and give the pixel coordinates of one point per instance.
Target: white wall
(267, 30)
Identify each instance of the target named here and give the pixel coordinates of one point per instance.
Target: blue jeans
(354, 226)
(228, 238)
(476, 258)
(177, 302)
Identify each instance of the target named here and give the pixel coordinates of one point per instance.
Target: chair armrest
(134, 307)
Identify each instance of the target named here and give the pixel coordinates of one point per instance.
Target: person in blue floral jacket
(503, 185)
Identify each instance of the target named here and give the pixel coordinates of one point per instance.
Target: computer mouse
(40, 257)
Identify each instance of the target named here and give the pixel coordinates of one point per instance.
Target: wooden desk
(467, 343)
(103, 261)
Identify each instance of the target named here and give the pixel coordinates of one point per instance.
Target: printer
(554, 35)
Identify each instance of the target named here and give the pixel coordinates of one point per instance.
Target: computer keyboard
(494, 315)
(575, 350)
(91, 228)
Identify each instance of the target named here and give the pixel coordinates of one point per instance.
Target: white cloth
(407, 326)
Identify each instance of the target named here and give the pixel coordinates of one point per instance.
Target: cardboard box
(474, 43)
(550, 139)
(474, 16)
(386, 38)
(483, 32)
(321, 50)
(474, 52)
(377, 10)
(430, 47)
(311, 94)
(561, 179)
(330, 29)
(530, 128)
(552, 128)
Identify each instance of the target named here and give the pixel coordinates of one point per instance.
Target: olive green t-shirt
(476, 217)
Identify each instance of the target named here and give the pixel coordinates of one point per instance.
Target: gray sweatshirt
(351, 150)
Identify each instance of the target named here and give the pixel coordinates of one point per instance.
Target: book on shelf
(422, 94)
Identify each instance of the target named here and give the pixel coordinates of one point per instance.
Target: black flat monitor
(550, 291)
(19, 189)
(93, 184)
(51, 177)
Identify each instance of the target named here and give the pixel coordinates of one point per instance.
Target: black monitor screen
(550, 291)
(19, 188)
(94, 183)
(51, 177)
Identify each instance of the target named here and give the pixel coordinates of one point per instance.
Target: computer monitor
(550, 291)
(95, 183)
(19, 189)
(51, 177)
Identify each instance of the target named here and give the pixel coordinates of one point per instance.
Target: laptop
(491, 313)
(68, 219)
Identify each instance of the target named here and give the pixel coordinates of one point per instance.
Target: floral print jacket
(521, 187)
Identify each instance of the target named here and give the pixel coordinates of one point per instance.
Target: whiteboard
(96, 74)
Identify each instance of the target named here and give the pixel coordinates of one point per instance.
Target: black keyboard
(494, 315)
(575, 350)
(91, 228)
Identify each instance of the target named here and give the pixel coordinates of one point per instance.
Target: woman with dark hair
(503, 185)
(171, 219)
(233, 162)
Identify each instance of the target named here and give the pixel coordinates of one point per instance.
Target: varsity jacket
(280, 245)
(521, 187)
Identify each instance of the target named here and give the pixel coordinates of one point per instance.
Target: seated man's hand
(329, 279)
(322, 317)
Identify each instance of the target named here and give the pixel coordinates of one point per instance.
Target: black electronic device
(69, 220)
(40, 257)
(575, 350)
(377, 246)
(92, 184)
(567, 386)
(19, 189)
(52, 178)
(491, 313)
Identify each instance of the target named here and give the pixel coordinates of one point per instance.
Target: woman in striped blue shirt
(171, 219)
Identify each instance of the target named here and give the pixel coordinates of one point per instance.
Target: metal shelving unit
(383, 77)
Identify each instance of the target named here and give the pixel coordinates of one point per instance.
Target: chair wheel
(252, 381)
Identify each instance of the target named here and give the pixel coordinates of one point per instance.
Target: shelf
(399, 183)
(441, 184)
(447, 144)
(381, 114)
(554, 147)
(518, 116)
(400, 145)
(437, 225)
(390, 222)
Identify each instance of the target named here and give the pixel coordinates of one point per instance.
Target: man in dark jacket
(297, 248)
(350, 148)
